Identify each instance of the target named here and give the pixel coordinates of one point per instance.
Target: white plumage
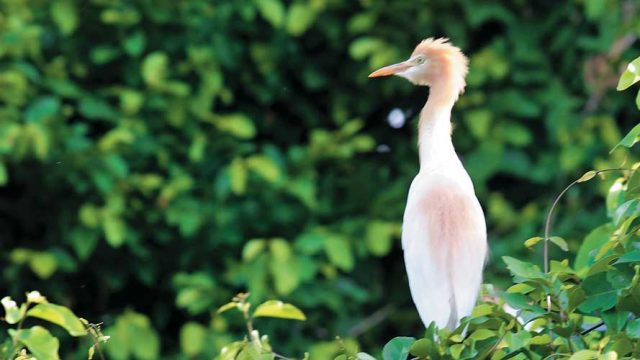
(444, 231)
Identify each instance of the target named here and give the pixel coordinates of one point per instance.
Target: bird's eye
(420, 60)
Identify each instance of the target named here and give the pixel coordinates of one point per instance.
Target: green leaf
(278, 309)
(397, 348)
(286, 274)
(264, 166)
(96, 108)
(456, 350)
(520, 301)
(587, 176)
(339, 252)
(132, 336)
(422, 348)
(238, 176)
(380, 235)
(601, 295)
(630, 139)
(591, 244)
(633, 186)
(252, 249)
(39, 341)
(134, 44)
(114, 229)
(65, 16)
(155, 68)
(4, 174)
(531, 242)
(272, 10)
(633, 329)
(43, 264)
(584, 355)
(540, 340)
(482, 334)
(299, 18)
(59, 315)
(632, 256)
(523, 269)
(42, 109)
(226, 307)
(630, 76)
(238, 125)
(192, 338)
(560, 242)
(12, 313)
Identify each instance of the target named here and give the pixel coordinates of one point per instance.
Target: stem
(96, 342)
(547, 225)
(592, 328)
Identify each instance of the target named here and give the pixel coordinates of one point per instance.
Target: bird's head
(434, 62)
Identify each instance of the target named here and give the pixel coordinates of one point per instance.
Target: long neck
(434, 130)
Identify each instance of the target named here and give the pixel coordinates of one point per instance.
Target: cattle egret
(444, 235)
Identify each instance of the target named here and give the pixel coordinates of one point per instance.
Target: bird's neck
(434, 130)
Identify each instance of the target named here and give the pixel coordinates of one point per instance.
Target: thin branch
(592, 328)
(96, 342)
(371, 321)
(547, 225)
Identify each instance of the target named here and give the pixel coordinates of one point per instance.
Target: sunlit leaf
(252, 248)
(299, 18)
(584, 355)
(12, 313)
(560, 242)
(39, 341)
(278, 309)
(339, 251)
(192, 338)
(226, 307)
(155, 68)
(523, 269)
(64, 14)
(630, 76)
(632, 137)
(272, 10)
(587, 176)
(531, 242)
(59, 315)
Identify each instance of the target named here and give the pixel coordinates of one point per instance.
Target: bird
(444, 235)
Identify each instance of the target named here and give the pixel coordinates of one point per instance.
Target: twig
(96, 342)
(592, 328)
(371, 321)
(547, 225)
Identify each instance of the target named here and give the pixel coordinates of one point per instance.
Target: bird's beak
(391, 69)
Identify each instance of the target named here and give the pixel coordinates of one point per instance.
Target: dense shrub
(157, 157)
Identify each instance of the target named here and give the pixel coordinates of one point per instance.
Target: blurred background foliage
(159, 156)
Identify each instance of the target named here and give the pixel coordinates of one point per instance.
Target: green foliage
(589, 311)
(37, 340)
(255, 346)
(157, 157)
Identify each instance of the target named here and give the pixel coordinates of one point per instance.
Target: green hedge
(157, 157)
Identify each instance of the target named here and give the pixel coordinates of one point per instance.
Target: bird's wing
(444, 242)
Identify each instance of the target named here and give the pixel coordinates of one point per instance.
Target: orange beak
(391, 69)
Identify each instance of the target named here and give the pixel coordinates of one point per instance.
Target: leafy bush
(590, 310)
(157, 157)
(39, 342)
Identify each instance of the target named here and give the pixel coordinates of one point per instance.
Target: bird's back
(444, 242)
